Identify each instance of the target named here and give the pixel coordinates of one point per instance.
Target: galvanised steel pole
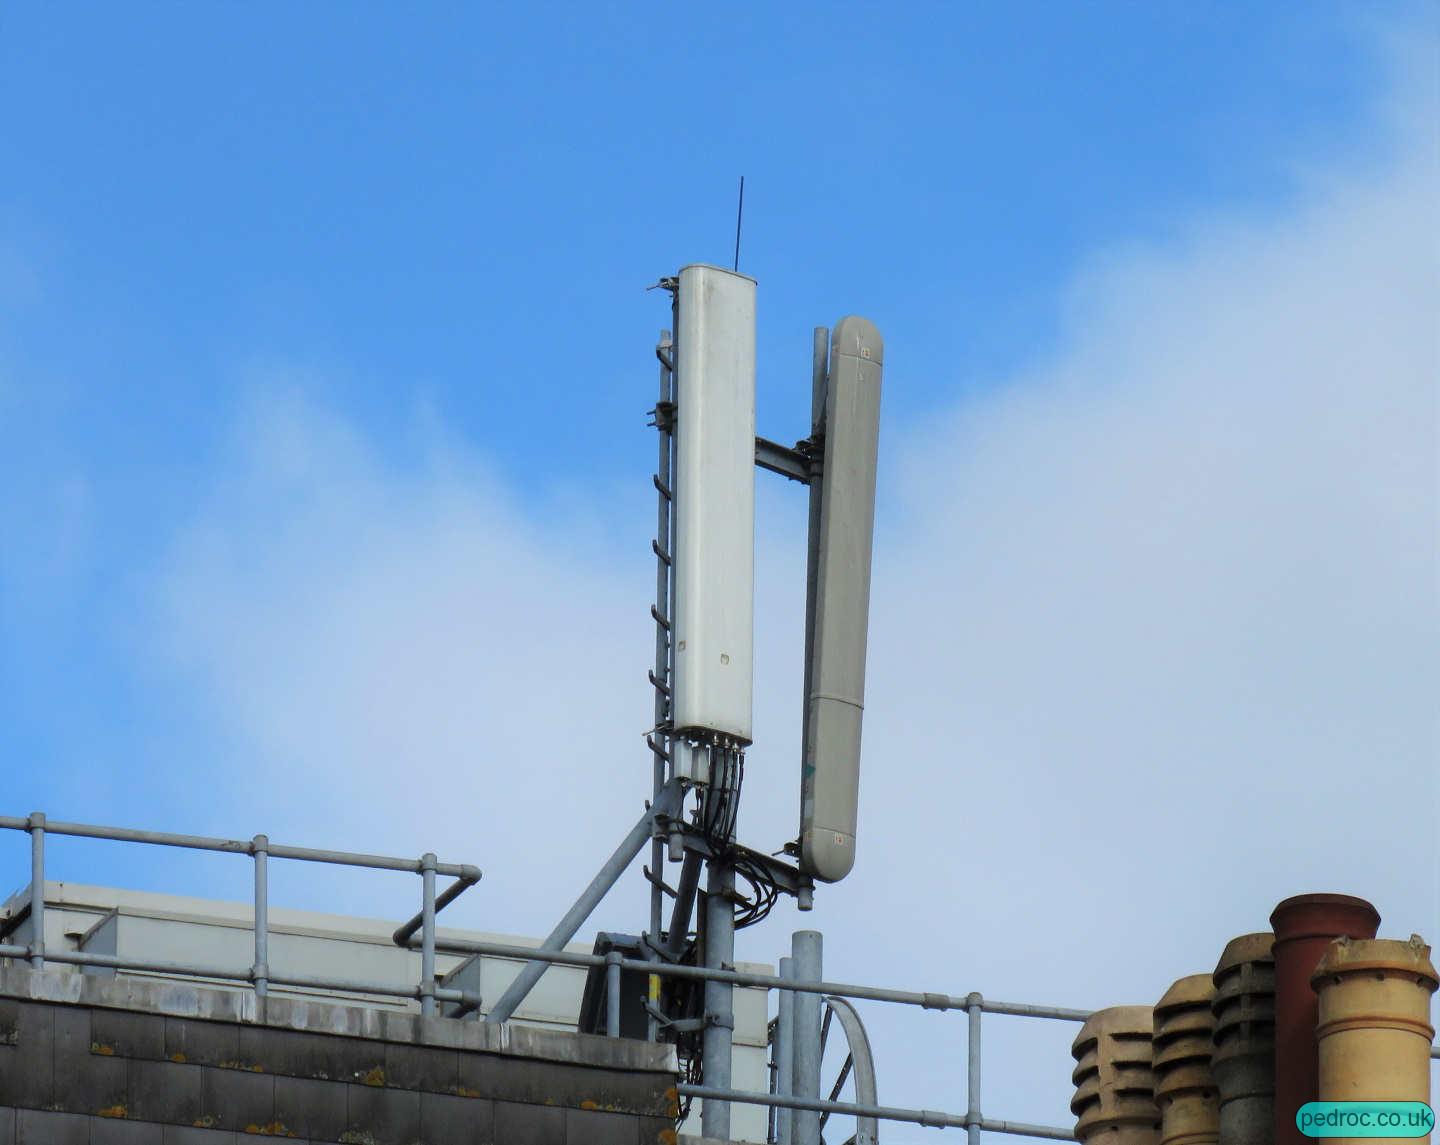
(719, 996)
(260, 971)
(807, 951)
(785, 1054)
(427, 935)
(37, 890)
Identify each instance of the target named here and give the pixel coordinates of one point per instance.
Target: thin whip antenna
(739, 214)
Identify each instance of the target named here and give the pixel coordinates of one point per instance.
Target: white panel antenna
(714, 607)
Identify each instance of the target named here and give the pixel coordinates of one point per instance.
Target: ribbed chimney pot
(1243, 1063)
(1114, 1102)
(1184, 1088)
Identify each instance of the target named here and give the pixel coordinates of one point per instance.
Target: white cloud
(1153, 642)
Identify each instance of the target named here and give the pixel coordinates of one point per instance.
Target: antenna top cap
(860, 338)
(717, 269)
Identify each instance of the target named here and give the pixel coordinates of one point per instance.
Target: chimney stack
(1304, 926)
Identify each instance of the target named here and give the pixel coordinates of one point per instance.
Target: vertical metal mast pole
(719, 996)
(660, 677)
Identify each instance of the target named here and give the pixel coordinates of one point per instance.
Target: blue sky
(325, 353)
(456, 209)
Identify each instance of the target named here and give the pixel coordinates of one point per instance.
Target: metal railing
(973, 1005)
(260, 975)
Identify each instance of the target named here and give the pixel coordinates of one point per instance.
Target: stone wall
(128, 1061)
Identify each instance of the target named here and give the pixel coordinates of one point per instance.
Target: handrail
(259, 975)
(972, 1004)
(241, 847)
(196, 970)
(930, 1118)
(260, 850)
(927, 1001)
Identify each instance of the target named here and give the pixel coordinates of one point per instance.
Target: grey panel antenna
(830, 768)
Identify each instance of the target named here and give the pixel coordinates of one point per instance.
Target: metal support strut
(668, 804)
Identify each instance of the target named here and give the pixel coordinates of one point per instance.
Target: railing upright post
(972, 1060)
(785, 1054)
(37, 890)
(260, 971)
(427, 935)
(612, 993)
(807, 953)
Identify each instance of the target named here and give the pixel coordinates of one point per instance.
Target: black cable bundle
(720, 804)
(756, 906)
(694, 1071)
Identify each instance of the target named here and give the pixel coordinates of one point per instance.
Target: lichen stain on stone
(113, 1111)
(179, 1059)
(274, 1129)
(595, 1105)
(461, 1091)
(356, 1137)
(375, 1076)
(99, 1048)
(668, 1137)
